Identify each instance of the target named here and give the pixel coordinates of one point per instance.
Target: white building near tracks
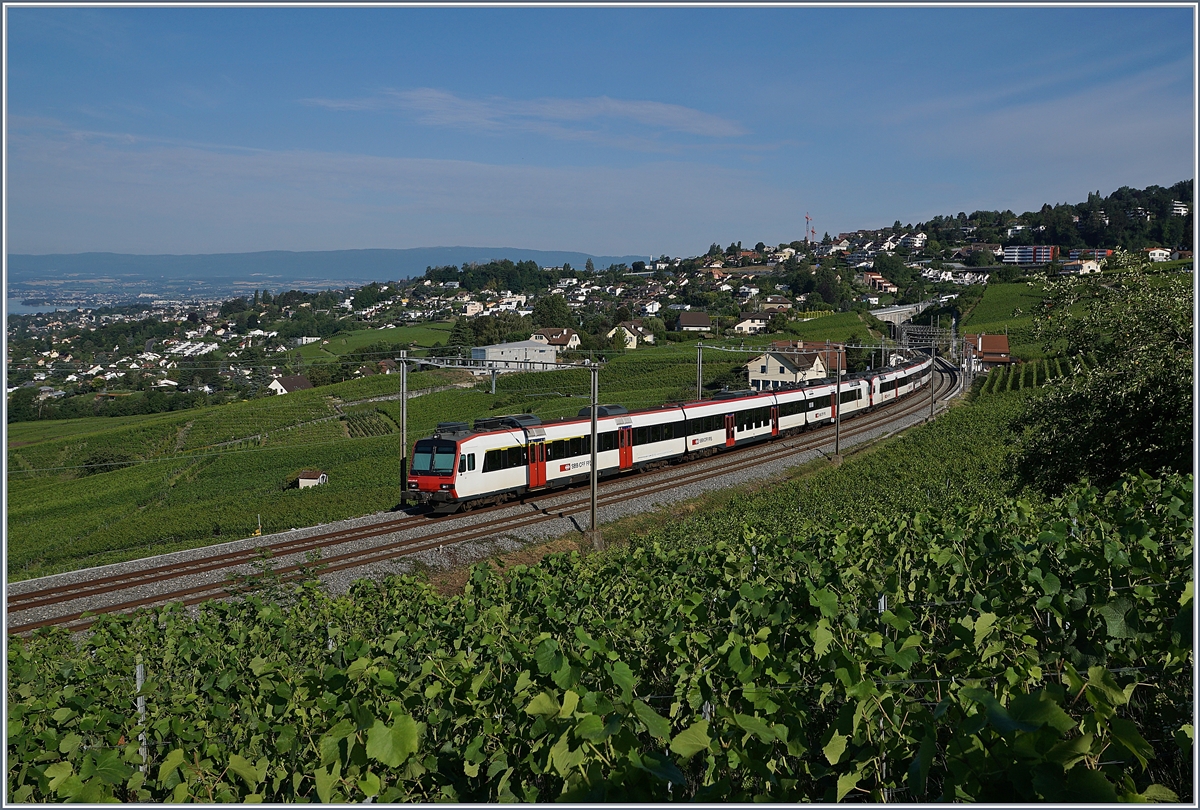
(522, 355)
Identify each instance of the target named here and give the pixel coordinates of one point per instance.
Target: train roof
(525, 421)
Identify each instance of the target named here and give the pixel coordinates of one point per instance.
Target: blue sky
(606, 130)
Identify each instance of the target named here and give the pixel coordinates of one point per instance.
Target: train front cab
(432, 476)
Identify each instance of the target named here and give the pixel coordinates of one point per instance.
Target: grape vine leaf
(692, 740)
(392, 745)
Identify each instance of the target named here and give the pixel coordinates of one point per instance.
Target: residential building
(829, 352)
(562, 338)
(1158, 254)
(776, 303)
(878, 282)
(287, 385)
(694, 322)
(1179, 209)
(631, 332)
(1030, 254)
(782, 369)
(1080, 268)
(472, 308)
(1090, 254)
(986, 351)
(751, 324)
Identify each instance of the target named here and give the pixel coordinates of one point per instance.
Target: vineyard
(1006, 652)
(185, 502)
(1020, 376)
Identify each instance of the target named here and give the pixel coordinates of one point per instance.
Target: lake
(15, 307)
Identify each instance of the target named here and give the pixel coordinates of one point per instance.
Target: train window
(503, 459)
(607, 441)
(493, 460)
(470, 462)
(434, 458)
(462, 463)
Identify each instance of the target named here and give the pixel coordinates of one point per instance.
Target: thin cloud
(99, 193)
(548, 115)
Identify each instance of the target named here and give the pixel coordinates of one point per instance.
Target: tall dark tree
(552, 310)
(462, 334)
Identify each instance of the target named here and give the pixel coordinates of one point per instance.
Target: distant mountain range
(275, 270)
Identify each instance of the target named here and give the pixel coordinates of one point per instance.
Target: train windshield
(431, 457)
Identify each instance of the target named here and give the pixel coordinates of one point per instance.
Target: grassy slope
(837, 327)
(1007, 308)
(341, 344)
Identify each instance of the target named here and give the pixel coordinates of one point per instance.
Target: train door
(729, 428)
(774, 420)
(625, 447)
(537, 465)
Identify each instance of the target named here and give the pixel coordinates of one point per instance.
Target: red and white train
(508, 456)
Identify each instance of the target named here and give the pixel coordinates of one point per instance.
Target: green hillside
(1008, 309)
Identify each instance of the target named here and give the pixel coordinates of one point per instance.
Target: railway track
(421, 535)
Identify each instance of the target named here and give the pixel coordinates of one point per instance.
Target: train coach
(498, 458)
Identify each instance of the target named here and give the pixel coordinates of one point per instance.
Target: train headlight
(447, 486)
(413, 485)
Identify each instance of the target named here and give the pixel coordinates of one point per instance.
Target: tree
(980, 258)
(1129, 342)
(552, 311)
(20, 405)
(462, 335)
(828, 284)
(760, 247)
(589, 266)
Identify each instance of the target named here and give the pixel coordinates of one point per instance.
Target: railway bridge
(900, 313)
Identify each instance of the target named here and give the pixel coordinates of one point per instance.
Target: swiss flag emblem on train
(695, 441)
(564, 467)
